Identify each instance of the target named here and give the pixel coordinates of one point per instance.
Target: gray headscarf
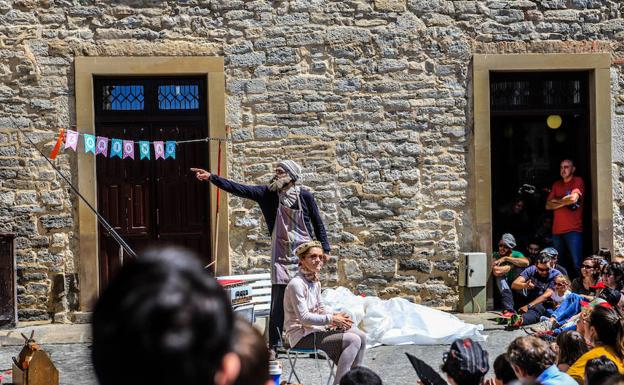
(509, 240)
(292, 168)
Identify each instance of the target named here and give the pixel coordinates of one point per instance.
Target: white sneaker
(542, 326)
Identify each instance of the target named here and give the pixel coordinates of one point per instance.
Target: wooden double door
(153, 202)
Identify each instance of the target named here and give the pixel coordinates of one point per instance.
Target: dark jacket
(269, 202)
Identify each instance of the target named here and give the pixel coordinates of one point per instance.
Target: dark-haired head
(253, 353)
(530, 356)
(598, 370)
(606, 327)
(613, 275)
(571, 346)
(503, 370)
(168, 320)
(360, 376)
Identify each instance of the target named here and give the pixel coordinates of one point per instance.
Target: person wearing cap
(307, 323)
(292, 218)
(566, 201)
(466, 363)
(554, 259)
(507, 264)
(534, 361)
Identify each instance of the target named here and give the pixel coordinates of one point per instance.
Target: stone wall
(372, 97)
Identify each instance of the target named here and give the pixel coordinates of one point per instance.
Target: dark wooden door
(152, 202)
(7, 281)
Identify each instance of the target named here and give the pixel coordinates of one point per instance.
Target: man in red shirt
(566, 200)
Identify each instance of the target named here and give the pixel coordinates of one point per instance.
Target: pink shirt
(303, 309)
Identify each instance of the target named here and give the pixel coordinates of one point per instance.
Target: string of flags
(121, 148)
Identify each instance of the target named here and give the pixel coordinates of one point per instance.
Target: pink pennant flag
(101, 146)
(128, 149)
(71, 140)
(159, 149)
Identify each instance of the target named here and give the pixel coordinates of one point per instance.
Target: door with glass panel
(152, 202)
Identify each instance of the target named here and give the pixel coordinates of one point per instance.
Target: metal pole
(99, 217)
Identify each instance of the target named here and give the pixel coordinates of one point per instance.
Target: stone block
(56, 221)
(347, 35)
(390, 5)
(32, 315)
(252, 59)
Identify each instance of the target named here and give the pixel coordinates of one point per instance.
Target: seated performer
(309, 326)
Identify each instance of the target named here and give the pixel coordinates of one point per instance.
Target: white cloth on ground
(397, 321)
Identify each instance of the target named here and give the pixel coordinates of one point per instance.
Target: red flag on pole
(57, 146)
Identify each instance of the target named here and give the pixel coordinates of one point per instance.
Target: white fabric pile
(399, 322)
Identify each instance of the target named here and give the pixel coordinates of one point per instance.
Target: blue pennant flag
(116, 148)
(144, 149)
(170, 149)
(89, 143)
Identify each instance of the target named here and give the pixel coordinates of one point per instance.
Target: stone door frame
(598, 66)
(88, 67)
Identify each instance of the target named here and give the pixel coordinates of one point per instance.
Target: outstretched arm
(244, 191)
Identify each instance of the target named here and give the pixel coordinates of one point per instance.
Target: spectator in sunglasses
(613, 275)
(590, 273)
(534, 286)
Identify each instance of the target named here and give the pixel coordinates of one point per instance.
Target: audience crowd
(164, 320)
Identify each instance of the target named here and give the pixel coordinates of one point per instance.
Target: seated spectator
(554, 259)
(533, 360)
(306, 322)
(163, 320)
(570, 347)
(535, 284)
(466, 363)
(606, 334)
(252, 350)
(507, 264)
(599, 370)
(584, 284)
(562, 290)
(503, 372)
(613, 275)
(360, 376)
(533, 249)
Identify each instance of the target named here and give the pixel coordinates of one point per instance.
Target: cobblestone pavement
(73, 359)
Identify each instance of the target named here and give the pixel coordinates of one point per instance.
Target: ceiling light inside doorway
(554, 121)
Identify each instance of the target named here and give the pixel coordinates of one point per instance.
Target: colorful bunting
(89, 143)
(159, 149)
(144, 149)
(57, 146)
(128, 149)
(72, 140)
(170, 149)
(116, 148)
(101, 146)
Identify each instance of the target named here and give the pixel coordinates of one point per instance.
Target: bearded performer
(292, 218)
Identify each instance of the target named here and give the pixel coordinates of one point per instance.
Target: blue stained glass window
(123, 97)
(178, 97)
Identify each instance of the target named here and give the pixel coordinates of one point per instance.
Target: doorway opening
(537, 119)
(152, 202)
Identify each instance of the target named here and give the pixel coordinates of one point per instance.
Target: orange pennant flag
(57, 146)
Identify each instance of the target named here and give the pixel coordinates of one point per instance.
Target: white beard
(277, 184)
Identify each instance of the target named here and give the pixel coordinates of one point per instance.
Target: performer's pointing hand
(201, 174)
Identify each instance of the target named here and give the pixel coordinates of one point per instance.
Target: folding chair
(293, 355)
